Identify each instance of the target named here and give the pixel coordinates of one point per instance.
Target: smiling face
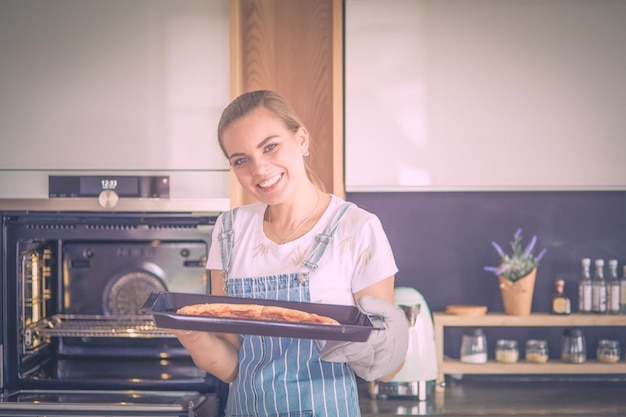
(267, 157)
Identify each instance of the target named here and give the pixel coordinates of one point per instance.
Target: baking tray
(353, 324)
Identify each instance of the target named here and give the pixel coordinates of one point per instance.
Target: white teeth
(269, 182)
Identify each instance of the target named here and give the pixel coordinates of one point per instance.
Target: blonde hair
(277, 105)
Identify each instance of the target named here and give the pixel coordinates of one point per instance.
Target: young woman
(297, 243)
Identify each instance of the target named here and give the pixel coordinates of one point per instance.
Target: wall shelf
(455, 366)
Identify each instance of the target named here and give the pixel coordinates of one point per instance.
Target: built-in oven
(73, 340)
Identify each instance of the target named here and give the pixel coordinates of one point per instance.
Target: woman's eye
(239, 161)
(270, 147)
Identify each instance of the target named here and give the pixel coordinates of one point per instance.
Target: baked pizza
(255, 312)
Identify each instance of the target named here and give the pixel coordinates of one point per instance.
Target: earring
(305, 152)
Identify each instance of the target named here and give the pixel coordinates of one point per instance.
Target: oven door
(37, 403)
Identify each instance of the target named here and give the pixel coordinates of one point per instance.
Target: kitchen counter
(509, 398)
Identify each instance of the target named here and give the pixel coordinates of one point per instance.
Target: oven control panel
(108, 187)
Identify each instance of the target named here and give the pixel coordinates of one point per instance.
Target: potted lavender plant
(516, 273)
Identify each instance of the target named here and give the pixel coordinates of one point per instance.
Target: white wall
(485, 94)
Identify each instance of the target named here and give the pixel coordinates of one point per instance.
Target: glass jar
(474, 346)
(507, 351)
(537, 351)
(573, 346)
(608, 351)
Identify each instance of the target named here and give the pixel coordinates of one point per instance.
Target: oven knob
(108, 199)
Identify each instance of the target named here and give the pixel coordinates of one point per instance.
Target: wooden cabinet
(455, 366)
(295, 49)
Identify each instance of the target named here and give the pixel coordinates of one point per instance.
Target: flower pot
(517, 296)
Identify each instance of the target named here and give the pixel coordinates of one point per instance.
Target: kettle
(417, 377)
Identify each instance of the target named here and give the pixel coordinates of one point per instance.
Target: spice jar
(573, 346)
(608, 351)
(537, 351)
(474, 346)
(507, 351)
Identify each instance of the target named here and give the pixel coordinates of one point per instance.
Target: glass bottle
(623, 291)
(613, 289)
(507, 351)
(560, 302)
(573, 346)
(608, 351)
(598, 289)
(584, 287)
(474, 346)
(537, 351)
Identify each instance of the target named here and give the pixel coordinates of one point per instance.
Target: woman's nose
(259, 165)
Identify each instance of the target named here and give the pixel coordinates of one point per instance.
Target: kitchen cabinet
(476, 95)
(591, 366)
(103, 88)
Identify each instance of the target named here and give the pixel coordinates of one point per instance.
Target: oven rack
(68, 325)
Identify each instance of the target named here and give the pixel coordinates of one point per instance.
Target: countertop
(508, 398)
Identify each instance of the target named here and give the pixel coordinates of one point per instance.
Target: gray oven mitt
(384, 349)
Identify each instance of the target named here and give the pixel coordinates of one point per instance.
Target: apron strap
(226, 241)
(323, 239)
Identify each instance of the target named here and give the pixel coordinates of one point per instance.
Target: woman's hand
(184, 336)
(216, 353)
(383, 354)
(384, 351)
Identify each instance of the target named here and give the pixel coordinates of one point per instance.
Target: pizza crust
(255, 312)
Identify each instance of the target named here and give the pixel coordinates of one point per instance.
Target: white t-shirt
(357, 257)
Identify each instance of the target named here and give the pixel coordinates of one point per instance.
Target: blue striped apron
(279, 376)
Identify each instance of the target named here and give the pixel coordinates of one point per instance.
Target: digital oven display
(123, 186)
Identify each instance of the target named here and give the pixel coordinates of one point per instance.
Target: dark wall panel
(441, 241)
